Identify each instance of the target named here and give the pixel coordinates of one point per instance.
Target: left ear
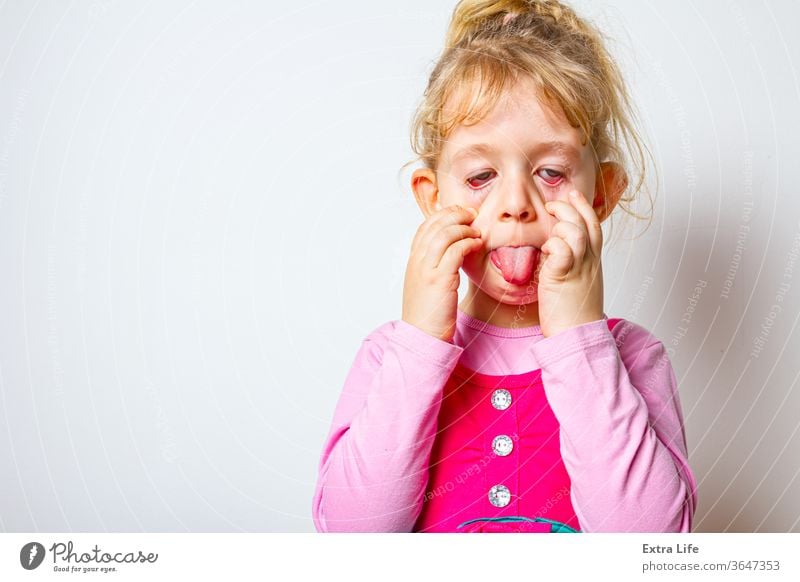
(610, 183)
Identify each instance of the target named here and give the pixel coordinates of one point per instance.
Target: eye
(480, 179)
(551, 176)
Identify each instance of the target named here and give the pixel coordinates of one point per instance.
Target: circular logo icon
(31, 555)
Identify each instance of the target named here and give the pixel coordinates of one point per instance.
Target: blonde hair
(490, 44)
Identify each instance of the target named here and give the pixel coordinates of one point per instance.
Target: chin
(522, 297)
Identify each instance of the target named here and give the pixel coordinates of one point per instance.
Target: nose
(518, 200)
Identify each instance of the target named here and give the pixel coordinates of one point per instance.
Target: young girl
(523, 407)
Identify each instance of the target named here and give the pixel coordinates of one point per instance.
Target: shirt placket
(500, 440)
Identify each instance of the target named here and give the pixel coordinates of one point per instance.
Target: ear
(609, 186)
(426, 191)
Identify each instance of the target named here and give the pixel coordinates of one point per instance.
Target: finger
(574, 236)
(593, 228)
(443, 239)
(455, 214)
(559, 259)
(453, 258)
(449, 215)
(566, 212)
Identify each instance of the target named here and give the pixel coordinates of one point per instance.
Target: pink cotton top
(595, 430)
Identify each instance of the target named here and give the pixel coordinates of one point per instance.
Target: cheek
(473, 198)
(559, 192)
(473, 266)
(550, 194)
(451, 193)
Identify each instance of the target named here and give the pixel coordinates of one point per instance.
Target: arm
(374, 465)
(622, 436)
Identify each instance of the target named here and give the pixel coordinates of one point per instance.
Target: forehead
(518, 122)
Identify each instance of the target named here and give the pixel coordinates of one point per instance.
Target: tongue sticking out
(516, 263)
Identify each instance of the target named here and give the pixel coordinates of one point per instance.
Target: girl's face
(507, 167)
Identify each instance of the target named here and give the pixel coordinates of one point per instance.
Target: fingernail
(574, 193)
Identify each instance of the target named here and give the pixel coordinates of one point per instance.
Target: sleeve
(374, 465)
(623, 441)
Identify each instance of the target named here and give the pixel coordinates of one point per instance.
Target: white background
(201, 217)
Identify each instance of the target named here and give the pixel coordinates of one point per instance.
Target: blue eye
(479, 177)
(549, 175)
(554, 175)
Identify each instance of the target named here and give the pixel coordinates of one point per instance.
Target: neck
(481, 306)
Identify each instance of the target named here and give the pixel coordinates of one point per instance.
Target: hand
(430, 292)
(571, 276)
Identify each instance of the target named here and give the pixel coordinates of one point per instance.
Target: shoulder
(410, 341)
(637, 345)
(377, 340)
(627, 332)
(374, 343)
(383, 332)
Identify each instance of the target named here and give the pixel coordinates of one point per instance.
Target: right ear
(426, 191)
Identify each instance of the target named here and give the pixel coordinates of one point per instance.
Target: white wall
(201, 218)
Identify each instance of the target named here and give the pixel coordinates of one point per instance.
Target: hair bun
(471, 17)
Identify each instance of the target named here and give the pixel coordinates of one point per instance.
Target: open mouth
(516, 264)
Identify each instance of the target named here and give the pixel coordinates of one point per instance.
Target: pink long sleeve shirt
(584, 428)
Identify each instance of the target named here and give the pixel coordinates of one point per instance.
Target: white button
(502, 445)
(499, 496)
(501, 399)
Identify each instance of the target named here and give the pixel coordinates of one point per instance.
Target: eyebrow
(482, 148)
